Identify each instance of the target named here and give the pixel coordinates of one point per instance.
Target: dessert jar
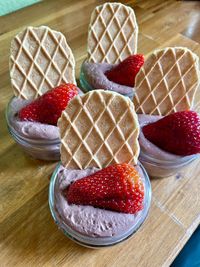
(87, 86)
(157, 162)
(34, 142)
(99, 241)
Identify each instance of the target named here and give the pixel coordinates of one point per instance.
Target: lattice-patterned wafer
(167, 82)
(112, 34)
(40, 60)
(98, 129)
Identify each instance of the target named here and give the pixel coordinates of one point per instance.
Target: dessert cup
(98, 241)
(86, 86)
(39, 148)
(157, 162)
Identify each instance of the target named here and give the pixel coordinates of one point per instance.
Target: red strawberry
(124, 73)
(117, 187)
(48, 107)
(177, 133)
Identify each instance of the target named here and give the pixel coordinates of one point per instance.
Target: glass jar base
(42, 154)
(163, 171)
(49, 151)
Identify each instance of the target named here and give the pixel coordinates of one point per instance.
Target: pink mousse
(94, 73)
(149, 148)
(88, 220)
(28, 129)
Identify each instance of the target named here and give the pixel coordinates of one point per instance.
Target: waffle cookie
(167, 82)
(40, 59)
(113, 33)
(98, 129)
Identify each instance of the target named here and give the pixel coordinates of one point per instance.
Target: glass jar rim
(98, 241)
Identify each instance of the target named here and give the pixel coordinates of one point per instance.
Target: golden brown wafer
(167, 82)
(98, 129)
(113, 33)
(40, 60)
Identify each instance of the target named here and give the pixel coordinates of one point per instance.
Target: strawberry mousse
(29, 129)
(169, 143)
(38, 119)
(149, 148)
(108, 203)
(33, 124)
(119, 78)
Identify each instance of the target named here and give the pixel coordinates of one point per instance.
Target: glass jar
(157, 162)
(39, 148)
(98, 242)
(86, 86)
(164, 168)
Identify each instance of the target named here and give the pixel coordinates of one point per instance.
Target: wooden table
(28, 234)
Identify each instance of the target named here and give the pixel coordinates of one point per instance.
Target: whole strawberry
(118, 187)
(124, 73)
(177, 133)
(48, 107)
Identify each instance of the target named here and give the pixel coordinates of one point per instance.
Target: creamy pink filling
(28, 129)
(95, 76)
(87, 220)
(149, 148)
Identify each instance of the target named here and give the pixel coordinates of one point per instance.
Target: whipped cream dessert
(29, 129)
(158, 162)
(85, 219)
(94, 73)
(149, 148)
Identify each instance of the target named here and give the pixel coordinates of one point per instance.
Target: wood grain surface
(28, 235)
